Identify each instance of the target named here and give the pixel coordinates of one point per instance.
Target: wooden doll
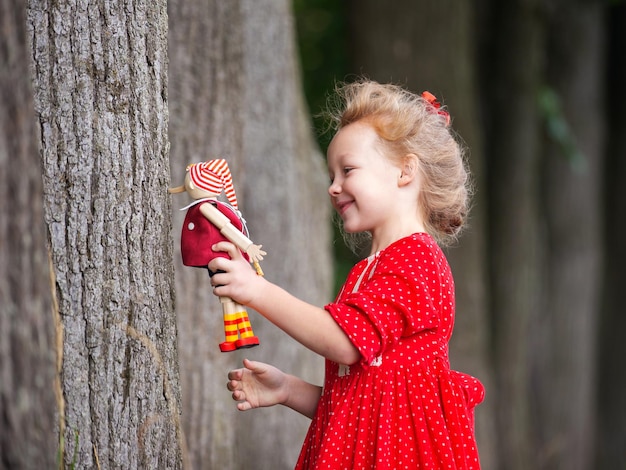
(209, 221)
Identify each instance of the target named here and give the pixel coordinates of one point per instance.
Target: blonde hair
(407, 123)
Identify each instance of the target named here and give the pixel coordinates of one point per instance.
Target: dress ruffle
(419, 415)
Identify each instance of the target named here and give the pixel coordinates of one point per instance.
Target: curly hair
(407, 123)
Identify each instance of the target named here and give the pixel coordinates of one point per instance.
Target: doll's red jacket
(199, 235)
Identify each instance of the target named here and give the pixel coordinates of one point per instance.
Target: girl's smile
(343, 206)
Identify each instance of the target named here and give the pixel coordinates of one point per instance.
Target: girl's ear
(409, 169)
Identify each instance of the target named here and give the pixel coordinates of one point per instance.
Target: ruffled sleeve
(401, 297)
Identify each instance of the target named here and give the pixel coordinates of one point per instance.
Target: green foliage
(323, 45)
(322, 41)
(75, 457)
(61, 451)
(558, 129)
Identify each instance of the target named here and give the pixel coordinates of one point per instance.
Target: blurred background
(534, 91)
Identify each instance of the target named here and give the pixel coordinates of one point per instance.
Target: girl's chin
(352, 229)
(351, 226)
(348, 229)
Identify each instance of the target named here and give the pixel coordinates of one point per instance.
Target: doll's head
(208, 179)
(406, 124)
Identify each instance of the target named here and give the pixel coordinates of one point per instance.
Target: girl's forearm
(303, 397)
(311, 326)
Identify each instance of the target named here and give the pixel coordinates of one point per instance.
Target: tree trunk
(510, 80)
(235, 88)
(565, 329)
(405, 42)
(27, 360)
(611, 437)
(101, 94)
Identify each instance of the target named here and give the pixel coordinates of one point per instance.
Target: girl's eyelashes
(345, 171)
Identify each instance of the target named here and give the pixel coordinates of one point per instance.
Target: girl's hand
(257, 385)
(234, 277)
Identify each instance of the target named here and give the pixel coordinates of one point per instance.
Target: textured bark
(27, 360)
(101, 95)
(429, 46)
(235, 89)
(565, 328)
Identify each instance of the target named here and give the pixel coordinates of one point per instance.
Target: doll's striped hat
(214, 176)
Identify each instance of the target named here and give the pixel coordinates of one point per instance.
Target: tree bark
(235, 88)
(101, 95)
(429, 46)
(27, 359)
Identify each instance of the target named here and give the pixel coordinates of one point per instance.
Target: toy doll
(209, 221)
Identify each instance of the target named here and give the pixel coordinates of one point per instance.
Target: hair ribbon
(436, 105)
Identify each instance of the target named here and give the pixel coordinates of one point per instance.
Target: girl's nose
(334, 189)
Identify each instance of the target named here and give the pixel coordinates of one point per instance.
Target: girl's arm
(309, 325)
(258, 385)
(303, 396)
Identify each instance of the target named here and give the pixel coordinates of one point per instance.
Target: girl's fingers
(253, 366)
(232, 250)
(218, 264)
(235, 374)
(244, 406)
(232, 385)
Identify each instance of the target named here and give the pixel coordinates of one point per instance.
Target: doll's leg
(231, 320)
(247, 338)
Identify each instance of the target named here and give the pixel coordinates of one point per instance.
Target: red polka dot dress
(400, 407)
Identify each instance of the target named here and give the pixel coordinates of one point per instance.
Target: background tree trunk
(563, 342)
(434, 50)
(101, 94)
(611, 437)
(27, 360)
(235, 89)
(511, 76)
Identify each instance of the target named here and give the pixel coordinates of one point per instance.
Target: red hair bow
(432, 99)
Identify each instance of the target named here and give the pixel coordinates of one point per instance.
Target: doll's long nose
(177, 189)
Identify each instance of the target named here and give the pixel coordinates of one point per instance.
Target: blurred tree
(101, 96)
(544, 225)
(27, 359)
(611, 436)
(564, 328)
(235, 90)
(510, 82)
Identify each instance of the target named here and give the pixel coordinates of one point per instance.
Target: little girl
(390, 400)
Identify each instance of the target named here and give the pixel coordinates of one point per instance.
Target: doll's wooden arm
(234, 235)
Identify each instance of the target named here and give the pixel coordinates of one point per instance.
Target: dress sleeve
(400, 299)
